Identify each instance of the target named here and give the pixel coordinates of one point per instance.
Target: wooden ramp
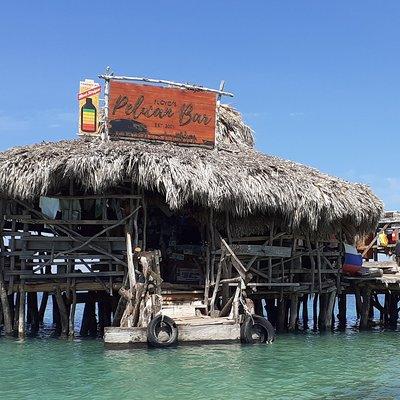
(201, 329)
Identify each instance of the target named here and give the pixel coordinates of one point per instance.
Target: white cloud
(296, 114)
(255, 114)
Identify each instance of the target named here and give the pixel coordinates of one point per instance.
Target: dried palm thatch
(234, 178)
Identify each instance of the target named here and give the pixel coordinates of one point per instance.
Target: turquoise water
(302, 366)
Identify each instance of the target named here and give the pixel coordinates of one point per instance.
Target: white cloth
(49, 206)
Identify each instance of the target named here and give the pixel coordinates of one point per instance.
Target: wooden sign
(159, 113)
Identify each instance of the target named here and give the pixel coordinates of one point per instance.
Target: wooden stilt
(63, 313)
(89, 323)
(21, 313)
(11, 304)
(293, 312)
(258, 308)
(216, 286)
(364, 318)
(121, 305)
(71, 326)
(386, 309)
(342, 305)
(56, 315)
(16, 311)
(323, 304)
(305, 311)
(331, 297)
(315, 312)
(104, 312)
(393, 310)
(43, 305)
(271, 311)
(33, 312)
(281, 317)
(5, 307)
(358, 302)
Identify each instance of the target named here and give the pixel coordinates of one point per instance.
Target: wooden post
(312, 261)
(271, 242)
(21, 312)
(366, 298)
(89, 323)
(43, 305)
(281, 318)
(212, 242)
(393, 310)
(293, 312)
(104, 311)
(8, 329)
(342, 300)
(329, 311)
(16, 311)
(216, 286)
(144, 239)
(63, 313)
(323, 303)
(305, 311)
(315, 312)
(33, 311)
(5, 306)
(358, 301)
(319, 266)
(56, 314)
(71, 326)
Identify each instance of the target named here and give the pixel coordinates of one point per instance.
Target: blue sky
(318, 81)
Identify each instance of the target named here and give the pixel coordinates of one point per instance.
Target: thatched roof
(232, 177)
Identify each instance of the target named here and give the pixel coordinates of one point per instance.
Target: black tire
(256, 329)
(162, 332)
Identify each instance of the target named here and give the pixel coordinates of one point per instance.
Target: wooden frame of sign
(181, 113)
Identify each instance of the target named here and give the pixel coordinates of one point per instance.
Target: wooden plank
(70, 221)
(84, 285)
(206, 333)
(66, 245)
(29, 276)
(261, 250)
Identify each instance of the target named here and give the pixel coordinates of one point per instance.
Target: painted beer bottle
(88, 116)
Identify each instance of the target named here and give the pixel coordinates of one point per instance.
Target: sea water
(339, 365)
